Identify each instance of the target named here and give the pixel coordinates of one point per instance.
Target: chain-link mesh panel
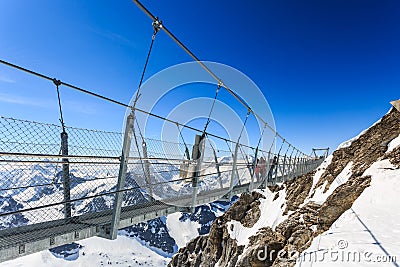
(31, 171)
(33, 182)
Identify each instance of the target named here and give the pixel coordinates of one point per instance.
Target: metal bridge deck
(24, 240)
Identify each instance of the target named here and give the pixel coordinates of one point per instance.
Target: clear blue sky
(327, 68)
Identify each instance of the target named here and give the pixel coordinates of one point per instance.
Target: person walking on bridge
(263, 167)
(273, 164)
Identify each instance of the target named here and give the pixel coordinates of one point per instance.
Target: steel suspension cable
(108, 99)
(190, 53)
(105, 98)
(244, 125)
(157, 25)
(187, 153)
(57, 83)
(212, 107)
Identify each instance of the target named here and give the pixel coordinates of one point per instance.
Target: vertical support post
(197, 154)
(65, 174)
(121, 176)
(251, 186)
(284, 169)
(268, 167)
(298, 166)
(301, 166)
(217, 167)
(234, 171)
(277, 166)
(147, 168)
(295, 165)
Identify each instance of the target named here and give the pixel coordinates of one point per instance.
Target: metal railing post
(234, 171)
(147, 168)
(268, 167)
(301, 165)
(121, 176)
(65, 175)
(251, 185)
(295, 165)
(284, 169)
(276, 170)
(197, 154)
(217, 167)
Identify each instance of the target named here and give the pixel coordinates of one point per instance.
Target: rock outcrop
(365, 150)
(297, 192)
(218, 246)
(273, 245)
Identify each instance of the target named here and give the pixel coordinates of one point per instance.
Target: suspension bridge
(61, 184)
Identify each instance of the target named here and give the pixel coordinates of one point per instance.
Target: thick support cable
(57, 84)
(244, 125)
(157, 25)
(79, 89)
(212, 107)
(187, 153)
(204, 66)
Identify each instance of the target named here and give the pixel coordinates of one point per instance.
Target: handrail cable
(190, 53)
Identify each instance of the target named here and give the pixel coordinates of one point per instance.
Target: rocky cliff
(265, 227)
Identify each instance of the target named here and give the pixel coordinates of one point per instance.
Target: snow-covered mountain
(346, 213)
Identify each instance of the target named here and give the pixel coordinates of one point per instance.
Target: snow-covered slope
(96, 252)
(369, 231)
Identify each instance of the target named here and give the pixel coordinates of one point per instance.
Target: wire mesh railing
(31, 172)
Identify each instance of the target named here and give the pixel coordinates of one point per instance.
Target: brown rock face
(292, 235)
(341, 200)
(297, 192)
(218, 246)
(304, 224)
(364, 151)
(262, 249)
(394, 157)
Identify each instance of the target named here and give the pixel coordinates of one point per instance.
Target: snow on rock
(393, 144)
(273, 210)
(349, 142)
(320, 196)
(369, 230)
(321, 170)
(182, 232)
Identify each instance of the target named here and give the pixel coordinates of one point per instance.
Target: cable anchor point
(57, 82)
(157, 25)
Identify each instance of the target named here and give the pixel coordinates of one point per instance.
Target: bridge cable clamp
(157, 25)
(57, 82)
